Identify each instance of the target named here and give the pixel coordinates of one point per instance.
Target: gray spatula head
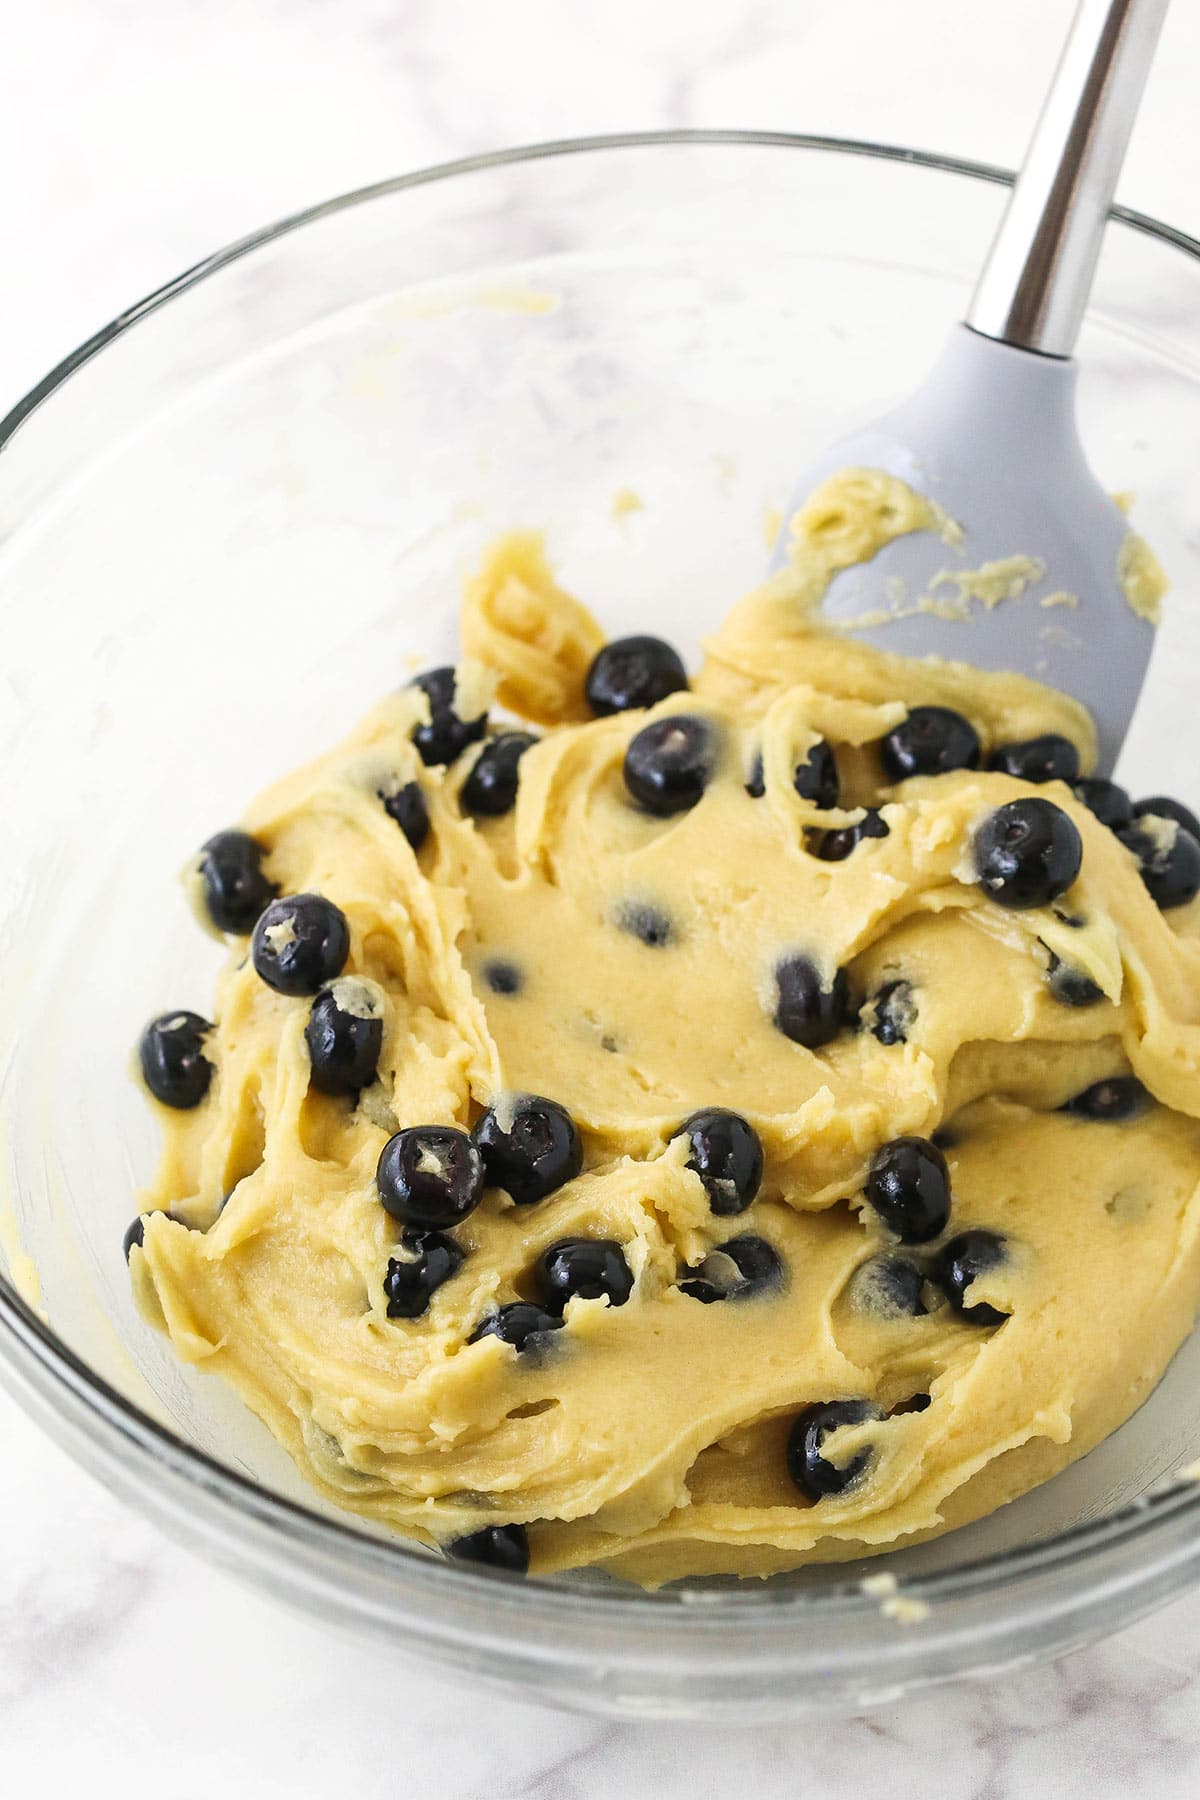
(991, 438)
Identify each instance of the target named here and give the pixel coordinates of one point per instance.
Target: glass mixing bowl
(242, 510)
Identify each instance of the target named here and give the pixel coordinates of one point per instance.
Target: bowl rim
(868, 148)
(55, 1373)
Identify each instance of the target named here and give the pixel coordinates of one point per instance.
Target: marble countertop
(137, 135)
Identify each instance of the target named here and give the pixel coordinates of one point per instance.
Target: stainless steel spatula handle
(1038, 274)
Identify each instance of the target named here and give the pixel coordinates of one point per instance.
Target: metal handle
(1038, 274)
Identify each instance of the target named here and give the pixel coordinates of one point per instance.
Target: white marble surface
(136, 135)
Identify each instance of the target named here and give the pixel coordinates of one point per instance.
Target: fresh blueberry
(648, 924)
(756, 785)
(135, 1234)
(932, 740)
(1070, 986)
(235, 887)
(1162, 808)
(491, 788)
(430, 1176)
(495, 1547)
(816, 778)
(583, 1268)
(1027, 853)
(698, 1287)
(894, 1012)
(812, 1473)
(669, 763)
(445, 735)
(529, 1147)
(806, 1010)
(1118, 1097)
(503, 977)
(1168, 858)
(1105, 800)
(633, 672)
(407, 807)
(909, 1187)
(738, 1269)
(727, 1156)
(518, 1324)
(344, 1035)
(962, 1261)
(300, 943)
(892, 1287)
(836, 846)
(412, 1281)
(174, 1066)
(758, 1263)
(1046, 758)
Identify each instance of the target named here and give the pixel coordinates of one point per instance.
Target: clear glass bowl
(241, 511)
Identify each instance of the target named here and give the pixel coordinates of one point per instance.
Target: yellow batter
(650, 1437)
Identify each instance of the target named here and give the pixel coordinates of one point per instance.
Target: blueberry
(727, 1156)
(430, 1176)
(810, 1471)
(1162, 808)
(758, 1263)
(633, 672)
(648, 924)
(895, 1012)
(756, 785)
(174, 1066)
(932, 740)
(1070, 986)
(909, 1186)
(300, 943)
(669, 763)
(1046, 758)
(1168, 858)
(891, 1286)
(518, 1324)
(739, 1269)
(495, 1547)
(1027, 854)
(503, 977)
(491, 788)
(961, 1262)
(816, 778)
(584, 1268)
(407, 807)
(445, 735)
(411, 1282)
(344, 1035)
(529, 1147)
(135, 1234)
(698, 1287)
(916, 1403)
(235, 888)
(836, 846)
(1105, 800)
(1118, 1097)
(805, 1010)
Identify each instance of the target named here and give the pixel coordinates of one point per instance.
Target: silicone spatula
(991, 434)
